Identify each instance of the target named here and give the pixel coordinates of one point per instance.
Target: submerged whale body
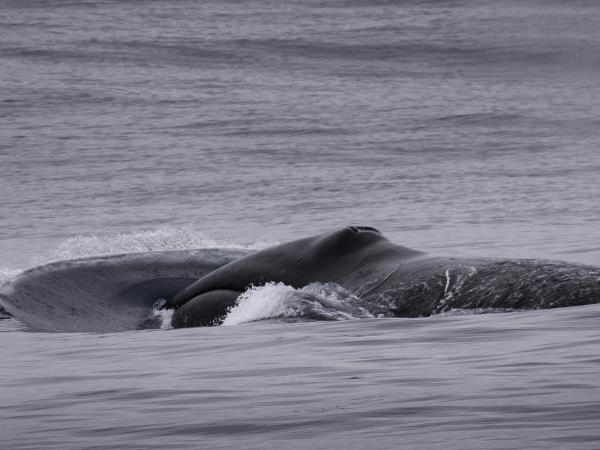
(390, 280)
(383, 279)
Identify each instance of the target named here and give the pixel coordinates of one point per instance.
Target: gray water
(527, 380)
(463, 128)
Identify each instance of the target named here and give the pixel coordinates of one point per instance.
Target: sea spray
(159, 239)
(159, 318)
(315, 301)
(7, 274)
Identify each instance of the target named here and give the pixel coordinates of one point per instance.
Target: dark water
(464, 128)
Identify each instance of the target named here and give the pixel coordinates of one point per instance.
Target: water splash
(7, 274)
(316, 301)
(159, 318)
(160, 239)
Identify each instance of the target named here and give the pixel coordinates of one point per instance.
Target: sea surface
(459, 128)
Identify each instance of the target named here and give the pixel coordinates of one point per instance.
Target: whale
(107, 293)
(371, 275)
(391, 280)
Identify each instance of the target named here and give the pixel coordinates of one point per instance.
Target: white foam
(454, 312)
(270, 300)
(160, 239)
(7, 274)
(277, 300)
(162, 317)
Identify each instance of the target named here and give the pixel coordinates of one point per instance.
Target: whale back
(330, 257)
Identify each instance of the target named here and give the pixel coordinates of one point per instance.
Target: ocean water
(457, 128)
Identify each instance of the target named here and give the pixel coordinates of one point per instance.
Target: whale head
(324, 258)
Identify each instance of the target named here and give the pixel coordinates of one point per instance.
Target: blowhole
(359, 229)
